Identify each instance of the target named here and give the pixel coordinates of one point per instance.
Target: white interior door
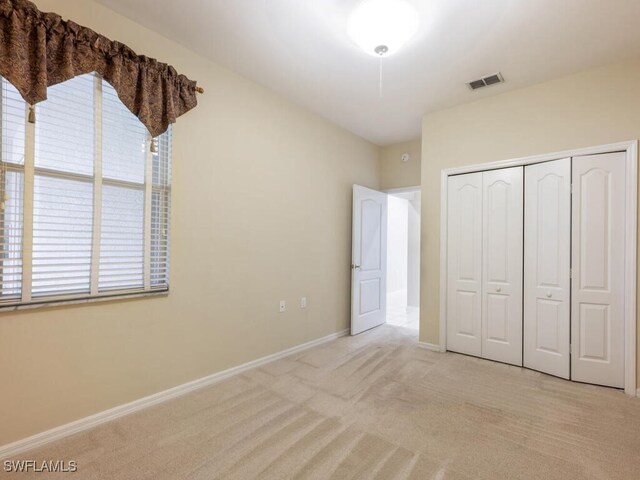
(502, 225)
(369, 259)
(464, 264)
(547, 263)
(597, 290)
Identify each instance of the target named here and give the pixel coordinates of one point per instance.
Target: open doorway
(385, 259)
(403, 258)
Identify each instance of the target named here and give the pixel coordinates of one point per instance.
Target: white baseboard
(91, 421)
(430, 346)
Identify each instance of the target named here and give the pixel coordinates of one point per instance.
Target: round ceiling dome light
(382, 27)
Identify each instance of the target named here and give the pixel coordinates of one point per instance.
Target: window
(84, 197)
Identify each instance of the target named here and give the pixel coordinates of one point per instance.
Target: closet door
(502, 265)
(597, 293)
(464, 263)
(547, 251)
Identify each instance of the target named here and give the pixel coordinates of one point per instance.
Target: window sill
(79, 301)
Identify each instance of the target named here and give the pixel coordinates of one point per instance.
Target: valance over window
(39, 49)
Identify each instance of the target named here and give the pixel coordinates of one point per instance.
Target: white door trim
(631, 161)
(391, 191)
(630, 274)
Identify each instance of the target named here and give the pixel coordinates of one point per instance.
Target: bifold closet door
(464, 263)
(597, 290)
(547, 263)
(502, 226)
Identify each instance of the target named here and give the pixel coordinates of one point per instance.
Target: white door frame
(631, 207)
(391, 191)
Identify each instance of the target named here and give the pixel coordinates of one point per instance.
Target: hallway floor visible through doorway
(408, 318)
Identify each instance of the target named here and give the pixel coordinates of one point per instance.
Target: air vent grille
(486, 81)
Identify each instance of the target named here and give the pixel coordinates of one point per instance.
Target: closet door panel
(547, 248)
(597, 317)
(464, 263)
(502, 265)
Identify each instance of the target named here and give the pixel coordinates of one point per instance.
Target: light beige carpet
(375, 406)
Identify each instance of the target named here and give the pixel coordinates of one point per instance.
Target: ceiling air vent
(486, 81)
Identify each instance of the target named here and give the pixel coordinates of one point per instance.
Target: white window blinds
(124, 157)
(13, 115)
(63, 189)
(160, 203)
(86, 197)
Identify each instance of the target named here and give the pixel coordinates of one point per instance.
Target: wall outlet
(283, 306)
(303, 302)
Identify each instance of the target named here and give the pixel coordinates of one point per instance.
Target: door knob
(498, 289)
(548, 294)
(354, 266)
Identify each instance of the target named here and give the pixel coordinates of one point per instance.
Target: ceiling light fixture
(382, 27)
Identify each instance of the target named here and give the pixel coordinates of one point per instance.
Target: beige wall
(594, 107)
(261, 212)
(396, 174)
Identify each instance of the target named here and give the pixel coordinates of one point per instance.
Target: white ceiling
(300, 49)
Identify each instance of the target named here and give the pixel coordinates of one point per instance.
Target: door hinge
(570, 348)
(571, 273)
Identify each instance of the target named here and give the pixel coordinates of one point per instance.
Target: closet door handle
(548, 294)
(498, 289)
